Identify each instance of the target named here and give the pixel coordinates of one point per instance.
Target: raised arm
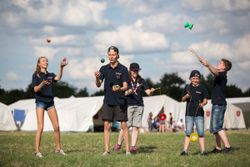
(204, 62)
(60, 72)
(98, 82)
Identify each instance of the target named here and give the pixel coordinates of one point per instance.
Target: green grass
(85, 149)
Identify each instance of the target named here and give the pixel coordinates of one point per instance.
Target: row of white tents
(77, 114)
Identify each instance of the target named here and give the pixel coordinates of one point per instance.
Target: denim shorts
(45, 105)
(199, 123)
(217, 118)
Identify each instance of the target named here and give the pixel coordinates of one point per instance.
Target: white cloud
(241, 48)
(131, 39)
(212, 50)
(45, 51)
(211, 24)
(70, 13)
(224, 5)
(183, 57)
(83, 69)
(138, 6)
(57, 40)
(162, 22)
(12, 76)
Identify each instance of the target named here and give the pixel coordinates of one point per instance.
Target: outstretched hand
(201, 59)
(64, 62)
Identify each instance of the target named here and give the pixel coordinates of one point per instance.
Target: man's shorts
(135, 114)
(45, 105)
(114, 113)
(217, 118)
(199, 123)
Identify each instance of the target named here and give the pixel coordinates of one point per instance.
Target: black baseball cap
(134, 66)
(195, 73)
(114, 48)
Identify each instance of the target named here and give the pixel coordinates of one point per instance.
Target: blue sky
(150, 32)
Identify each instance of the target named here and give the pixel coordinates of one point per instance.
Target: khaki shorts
(135, 114)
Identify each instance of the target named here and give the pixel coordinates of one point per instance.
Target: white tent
(155, 104)
(74, 114)
(7, 122)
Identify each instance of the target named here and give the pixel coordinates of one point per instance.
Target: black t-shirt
(218, 91)
(138, 87)
(198, 94)
(111, 77)
(46, 93)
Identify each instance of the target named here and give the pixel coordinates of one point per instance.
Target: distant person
(115, 77)
(150, 121)
(42, 82)
(162, 122)
(196, 96)
(170, 120)
(178, 126)
(136, 87)
(219, 103)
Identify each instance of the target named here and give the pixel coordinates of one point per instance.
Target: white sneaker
(60, 152)
(106, 153)
(128, 153)
(38, 154)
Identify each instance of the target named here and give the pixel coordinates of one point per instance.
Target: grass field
(84, 149)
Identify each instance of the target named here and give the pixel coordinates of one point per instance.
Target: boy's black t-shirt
(198, 94)
(140, 85)
(218, 90)
(46, 94)
(111, 77)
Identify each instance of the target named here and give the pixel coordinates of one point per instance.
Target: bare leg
(186, 143)
(40, 123)
(202, 143)
(135, 134)
(120, 137)
(224, 138)
(125, 134)
(54, 120)
(107, 129)
(218, 141)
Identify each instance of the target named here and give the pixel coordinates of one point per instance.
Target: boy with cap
(136, 86)
(196, 96)
(115, 76)
(219, 103)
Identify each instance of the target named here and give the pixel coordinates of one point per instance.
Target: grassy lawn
(85, 149)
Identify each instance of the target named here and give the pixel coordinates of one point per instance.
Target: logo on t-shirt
(118, 75)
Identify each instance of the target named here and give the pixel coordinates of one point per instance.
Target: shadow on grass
(146, 149)
(234, 149)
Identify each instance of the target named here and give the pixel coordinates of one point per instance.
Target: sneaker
(60, 152)
(117, 147)
(184, 153)
(106, 153)
(215, 151)
(133, 149)
(227, 150)
(128, 153)
(203, 153)
(38, 154)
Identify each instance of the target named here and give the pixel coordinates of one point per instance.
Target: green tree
(64, 90)
(82, 93)
(233, 91)
(247, 92)
(99, 93)
(172, 85)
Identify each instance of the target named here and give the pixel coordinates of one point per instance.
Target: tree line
(170, 84)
